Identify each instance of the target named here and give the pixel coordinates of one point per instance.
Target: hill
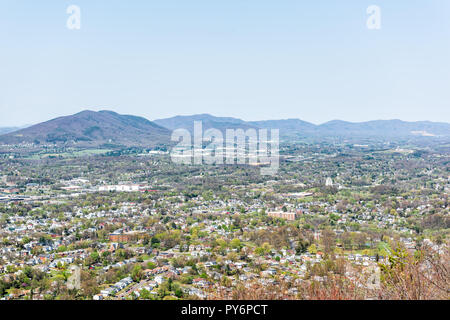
(208, 121)
(92, 129)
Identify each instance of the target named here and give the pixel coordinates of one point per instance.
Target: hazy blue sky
(254, 59)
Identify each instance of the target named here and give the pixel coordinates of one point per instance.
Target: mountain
(385, 128)
(109, 129)
(290, 128)
(92, 129)
(208, 121)
(6, 130)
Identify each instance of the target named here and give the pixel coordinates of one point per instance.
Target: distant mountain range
(5, 130)
(107, 128)
(300, 128)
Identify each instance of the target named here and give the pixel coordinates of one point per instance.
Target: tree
(328, 241)
(94, 258)
(155, 242)
(145, 294)
(178, 293)
(423, 275)
(137, 273)
(312, 249)
(347, 240)
(235, 243)
(89, 284)
(302, 246)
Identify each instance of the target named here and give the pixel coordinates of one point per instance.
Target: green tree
(137, 273)
(312, 249)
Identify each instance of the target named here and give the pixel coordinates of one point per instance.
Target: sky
(252, 59)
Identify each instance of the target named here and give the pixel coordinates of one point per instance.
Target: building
(291, 216)
(125, 237)
(121, 188)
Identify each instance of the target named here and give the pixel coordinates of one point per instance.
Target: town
(332, 224)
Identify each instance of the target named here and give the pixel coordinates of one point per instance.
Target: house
(269, 272)
(159, 279)
(108, 291)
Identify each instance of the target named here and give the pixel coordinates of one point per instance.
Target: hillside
(92, 129)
